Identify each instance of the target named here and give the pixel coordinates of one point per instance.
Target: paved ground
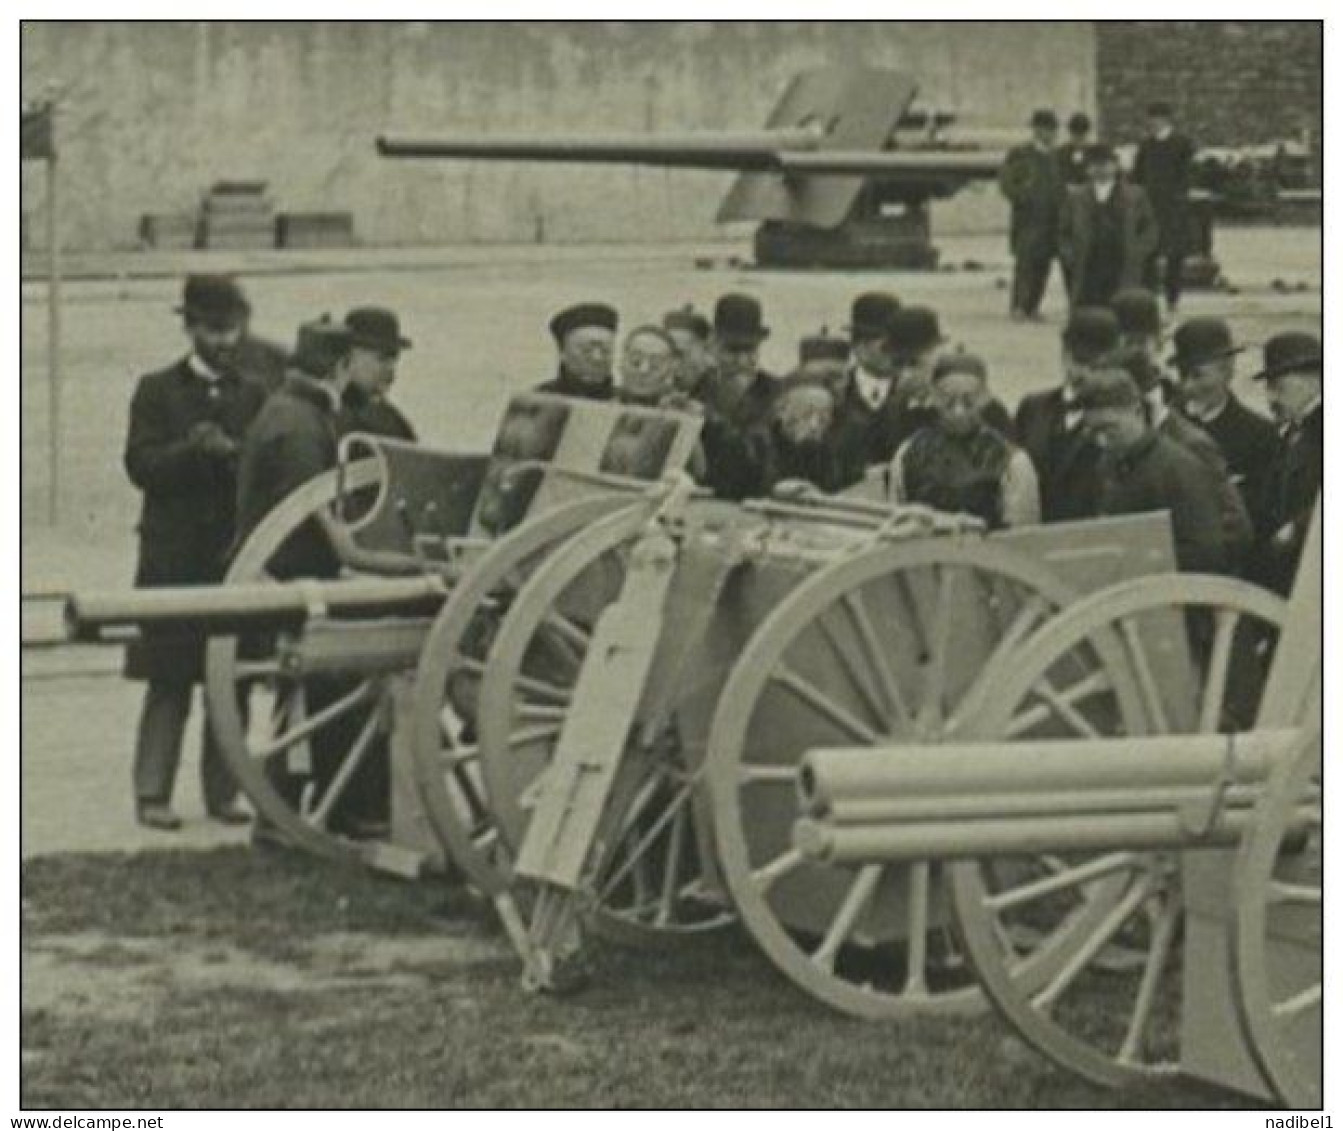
(477, 316)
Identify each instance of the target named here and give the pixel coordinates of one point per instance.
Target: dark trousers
(1165, 272)
(1030, 276)
(158, 749)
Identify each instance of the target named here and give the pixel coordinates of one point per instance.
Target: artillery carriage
(612, 702)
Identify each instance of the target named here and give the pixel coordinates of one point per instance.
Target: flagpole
(53, 331)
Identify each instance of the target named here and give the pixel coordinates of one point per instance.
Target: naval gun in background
(842, 174)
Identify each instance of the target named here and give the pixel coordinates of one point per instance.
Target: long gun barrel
(958, 801)
(113, 616)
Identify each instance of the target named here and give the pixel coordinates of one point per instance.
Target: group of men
(215, 440)
(889, 408)
(1109, 232)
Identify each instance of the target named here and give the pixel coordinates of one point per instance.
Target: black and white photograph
(722, 564)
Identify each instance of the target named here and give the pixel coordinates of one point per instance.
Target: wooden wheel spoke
(1312, 995)
(1075, 693)
(934, 690)
(1064, 709)
(1108, 927)
(455, 757)
(858, 676)
(876, 657)
(648, 836)
(543, 690)
(916, 943)
(823, 705)
(911, 617)
(854, 903)
(1163, 938)
(359, 749)
(313, 723)
(1219, 662)
(1033, 610)
(542, 713)
(1063, 880)
(766, 876)
(671, 877)
(1279, 891)
(1147, 685)
(748, 774)
(528, 736)
(247, 670)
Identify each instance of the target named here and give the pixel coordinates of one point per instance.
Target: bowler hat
(739, 321)
(1044, 120)
(320, 345)
(582, 315)
(822, 347)
(1200, 340)
(376, 328)
(687, 318)
(1291, 352)
(913, 331)
(1137, 311)
(960, 361)
(1091, 332)
(871, 314)
(216, 300)
(1079, 123)
(1100, 153)
(1109, 387)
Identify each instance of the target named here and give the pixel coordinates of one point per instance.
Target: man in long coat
(186, 422)
(1107, 233)
(1031, 178)
(1163, 167)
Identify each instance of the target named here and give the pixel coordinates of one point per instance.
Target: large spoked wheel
(650, 885)
(1278, 929)
(1182, 655)
(452, 663)
(295, 743)
(893, 646)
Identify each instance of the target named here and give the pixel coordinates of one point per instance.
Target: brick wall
(1232, 83)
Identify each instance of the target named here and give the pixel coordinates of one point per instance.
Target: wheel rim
(1281, 1002)
(650, 886)
(458, 645)
(358, 706)
(880, 948)
(1109, 1010)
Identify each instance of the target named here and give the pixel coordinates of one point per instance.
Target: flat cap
(216, 300)
(1291, 352)
(871, 314)
(960, 361)
(1137, 311)
(1091, 332)
(1200, 340)
(1109, 387)
(914, 330)
(584, 314)
(320, 345)
(687, 318)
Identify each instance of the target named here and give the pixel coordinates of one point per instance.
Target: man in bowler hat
(585, 336)
(1031, 178)
(376, 345)
(1107, 232)
(1205, 359)
(186, 423)
(1293, 370)
(866, 413)
(1162, 167)
(738, 402)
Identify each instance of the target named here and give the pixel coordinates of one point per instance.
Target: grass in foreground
(242, 979)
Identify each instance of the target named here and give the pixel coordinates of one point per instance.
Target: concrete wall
(1232, 83)
(156, 112)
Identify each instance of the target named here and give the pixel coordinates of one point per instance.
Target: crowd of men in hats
(1108, 231)
(889, 407)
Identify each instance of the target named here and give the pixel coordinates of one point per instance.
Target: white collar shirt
(873, 390)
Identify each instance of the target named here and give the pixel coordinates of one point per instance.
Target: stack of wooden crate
(237, 215)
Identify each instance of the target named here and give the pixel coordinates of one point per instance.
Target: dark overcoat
(1032, 180)
(1065, 458)
(1077, 226)
(187, 516)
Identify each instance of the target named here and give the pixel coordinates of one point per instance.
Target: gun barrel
(908, 164)
(757, 150)
(115, 616)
